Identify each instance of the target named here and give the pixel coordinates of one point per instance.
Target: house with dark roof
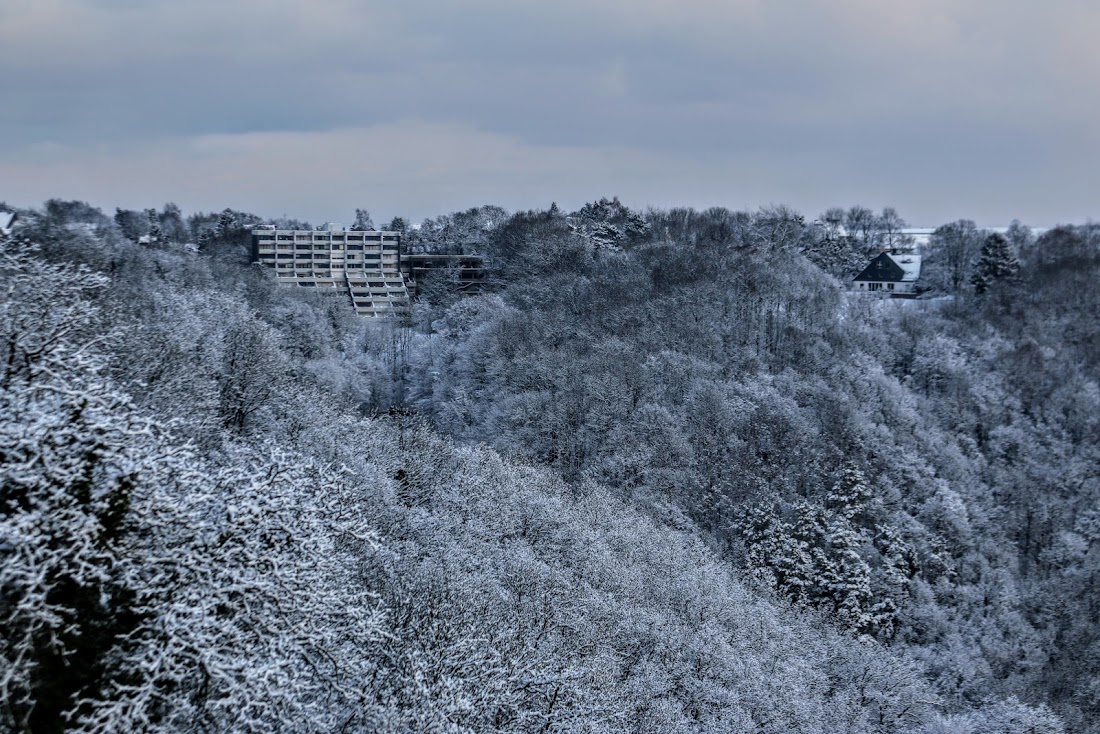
(890, 274)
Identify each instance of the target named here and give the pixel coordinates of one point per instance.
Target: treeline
(923, 472)
(715, 495)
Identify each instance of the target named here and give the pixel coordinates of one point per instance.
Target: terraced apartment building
(365, 265)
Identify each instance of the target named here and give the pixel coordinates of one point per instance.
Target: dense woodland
(664, 474)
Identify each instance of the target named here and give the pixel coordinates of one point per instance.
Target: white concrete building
(365, 265)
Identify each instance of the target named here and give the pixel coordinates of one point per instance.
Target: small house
(7, 223)
(890, 274)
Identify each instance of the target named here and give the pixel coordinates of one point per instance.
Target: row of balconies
(366, 308)
(268, 248)
(270, 236)
(323, 238)
(292, 270)
(268, 257)
(382, 293)
(358, 267)
(285, 274)
(309, 246)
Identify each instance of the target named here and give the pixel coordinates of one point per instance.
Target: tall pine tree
(996, 263)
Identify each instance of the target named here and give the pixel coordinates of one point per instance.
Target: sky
(943, 109)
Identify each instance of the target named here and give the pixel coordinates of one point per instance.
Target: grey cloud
(933, 100)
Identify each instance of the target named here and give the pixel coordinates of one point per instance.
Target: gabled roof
(910, 264)
(902, 268)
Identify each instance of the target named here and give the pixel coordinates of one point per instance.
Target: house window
(889, 286)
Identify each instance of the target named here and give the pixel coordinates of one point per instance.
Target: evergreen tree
(850, 495)
(154, 223)
(227, 222)
(844, 577)
(131, 223)
(363, 221)
(996, 263)
(170, 222)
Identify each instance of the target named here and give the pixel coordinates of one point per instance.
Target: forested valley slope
(663, 474)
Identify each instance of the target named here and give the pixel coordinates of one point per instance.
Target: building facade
(364, 265)
(890, 274)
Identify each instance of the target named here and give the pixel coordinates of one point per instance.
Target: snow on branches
(142, 586)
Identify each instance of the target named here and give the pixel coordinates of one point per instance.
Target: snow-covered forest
(664, 474)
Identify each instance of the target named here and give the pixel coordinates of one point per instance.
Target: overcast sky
(984, 109)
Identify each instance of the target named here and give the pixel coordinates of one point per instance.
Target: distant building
(365, 265)
(7, 223)
(922, 236)
(890, 274)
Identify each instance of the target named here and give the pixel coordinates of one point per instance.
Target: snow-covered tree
(363, 221)
(996, 264)
(144, 587)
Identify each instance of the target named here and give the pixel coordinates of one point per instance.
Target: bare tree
(955, 246)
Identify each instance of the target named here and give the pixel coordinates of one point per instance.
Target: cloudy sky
(984, 109)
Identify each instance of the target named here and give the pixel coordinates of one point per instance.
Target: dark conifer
(996, 263)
